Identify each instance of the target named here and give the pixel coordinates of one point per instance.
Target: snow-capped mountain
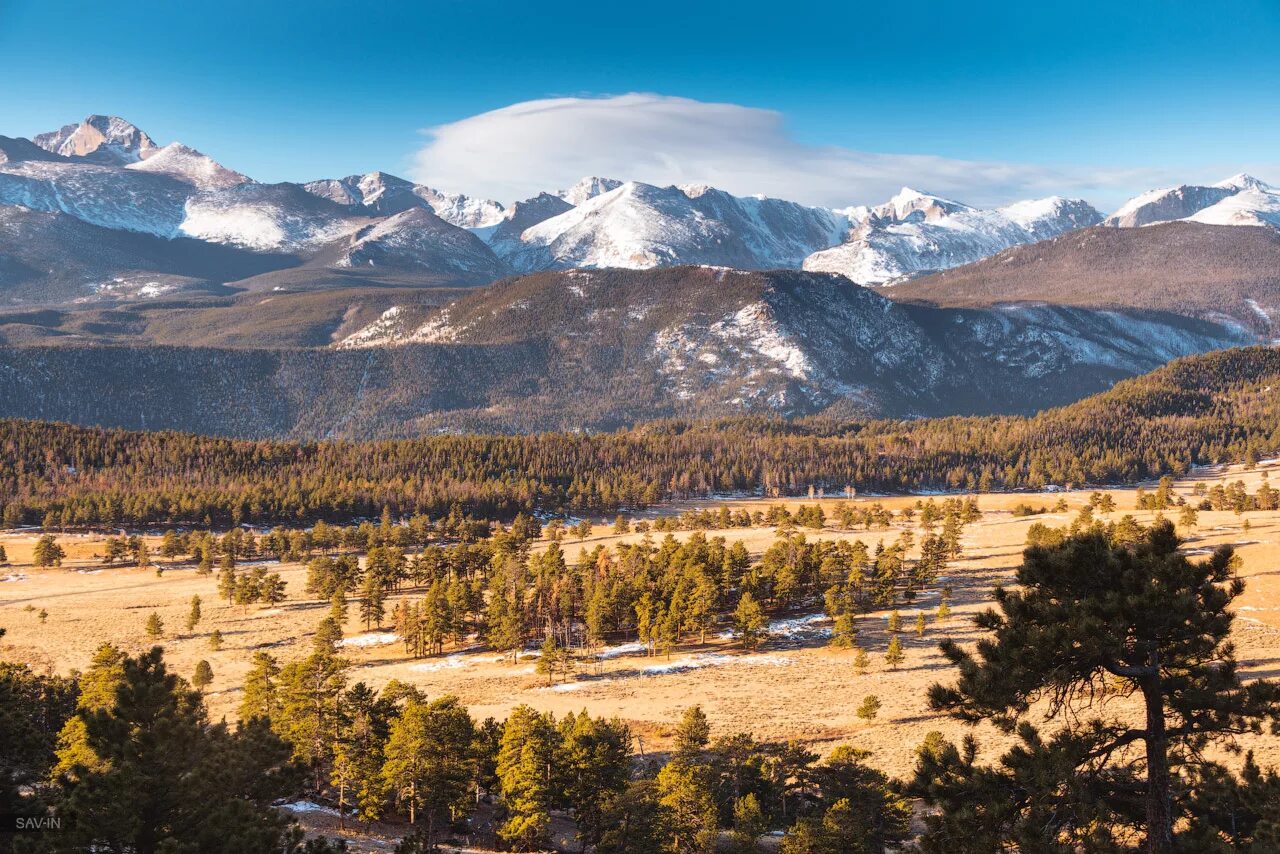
(716, 341)
(382, 194)
(915, 233)
(1239, 200)
(266, 218)
(505, 237)
(417, 239)
(638, 226)
(588, 188)
(200, 170)
(104, 139)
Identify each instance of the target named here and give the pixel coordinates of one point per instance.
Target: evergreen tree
(749, 622)
(167, 780)
(1087, 615)
(259, 697)
(47, 552)
(215, 640)
(693, 734)
(372, 607)
(861, 662)
(595, 761)
(155, 626)
(203, 676)
(429, 764)
(689, 815)
(870, 707)
(893, 656)
(193, 615)
(310, 710)
(526, 774)
(98, 685)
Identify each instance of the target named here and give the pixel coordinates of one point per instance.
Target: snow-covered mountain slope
(382, 194)
(267, 217)
(588, 188)
(104, 139)
(418, 240)
(1239, 200)
(102, 195)
(638, 226)
(1257, 206)
(916, 233)
(701, 340)
(199, 170)
(54, 259)
(505, 236)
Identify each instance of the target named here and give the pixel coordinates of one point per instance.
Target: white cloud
(517, 151)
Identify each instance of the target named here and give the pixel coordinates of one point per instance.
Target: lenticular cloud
(520, 150)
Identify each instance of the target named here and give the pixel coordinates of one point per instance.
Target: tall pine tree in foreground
(1091, 625)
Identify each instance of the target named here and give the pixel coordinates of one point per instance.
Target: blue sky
(1102, 98)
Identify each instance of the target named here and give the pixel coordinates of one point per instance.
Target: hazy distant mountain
(915, 233)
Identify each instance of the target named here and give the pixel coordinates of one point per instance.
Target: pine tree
(372, 608)
(215, 640)
(693, 734)
(203, 675)
(749, 622)
(893, 656)
(689, 813)
(895, 623)
(227, 581)
(47, 552)
(1065, 634)
(870, 707)
(595, 763)
(155, 626)
(861, 662)
(98, 686)
(259, 698)
(920, 624)
(193, 616)
(168, 781)
(526, 774)
(429, 763)
(310, 711)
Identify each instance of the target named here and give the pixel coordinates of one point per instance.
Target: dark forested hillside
(567, 351)
(1201, 409)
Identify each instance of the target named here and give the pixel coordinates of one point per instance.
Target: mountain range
(148, 285)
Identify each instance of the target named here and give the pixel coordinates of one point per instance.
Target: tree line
(1201, 409)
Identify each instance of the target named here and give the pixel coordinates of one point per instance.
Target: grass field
(793, 688)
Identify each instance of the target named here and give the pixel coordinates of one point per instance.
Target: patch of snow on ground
(621, 649)
(308, 806)
(373, 639)
(453, 662)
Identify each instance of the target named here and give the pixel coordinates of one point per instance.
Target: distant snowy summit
(916, 233)
(107, 173)
(1239, 200)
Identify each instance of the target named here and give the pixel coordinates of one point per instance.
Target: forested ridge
(1197, 410)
